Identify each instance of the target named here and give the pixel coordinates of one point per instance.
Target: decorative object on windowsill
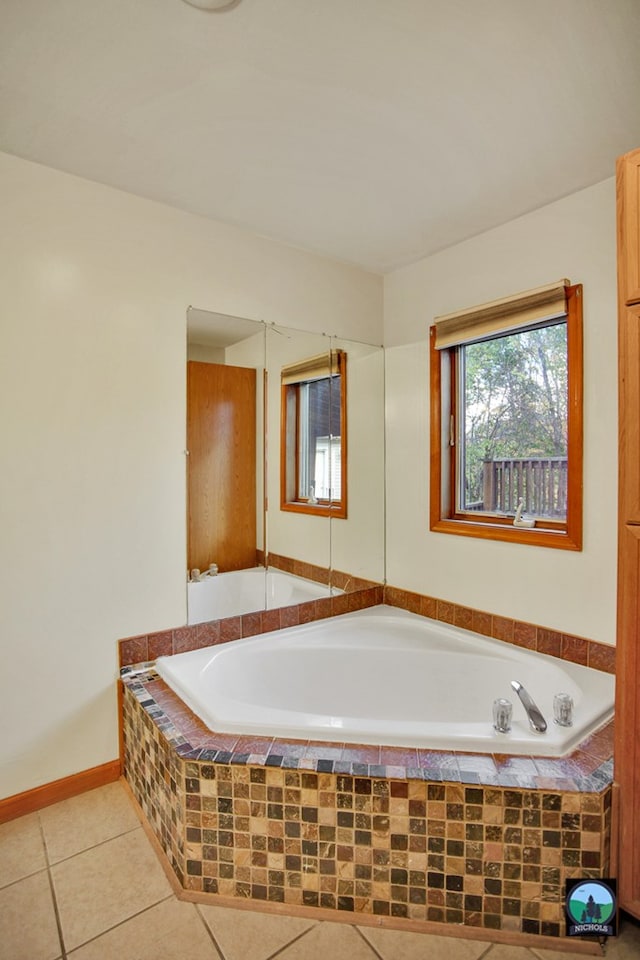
(213, 6)
(519, 520)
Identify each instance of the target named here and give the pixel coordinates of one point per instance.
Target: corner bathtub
(388, 677)
(245, 591)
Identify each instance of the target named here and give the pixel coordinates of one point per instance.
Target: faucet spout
(537, 721)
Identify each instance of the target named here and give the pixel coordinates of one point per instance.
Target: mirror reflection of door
(221, 439)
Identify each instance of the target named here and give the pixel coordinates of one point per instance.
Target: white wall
(92, 490)
(95, 285)
(203, 353)
(570, 592)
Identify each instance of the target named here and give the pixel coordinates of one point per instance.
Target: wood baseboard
(48, 793)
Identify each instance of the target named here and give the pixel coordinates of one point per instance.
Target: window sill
(336, 510)
(535, 536)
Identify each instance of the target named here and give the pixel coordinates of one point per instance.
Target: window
(506, 419)
(313, 436)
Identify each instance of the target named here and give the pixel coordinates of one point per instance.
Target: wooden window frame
(289, 447)
(442, 514)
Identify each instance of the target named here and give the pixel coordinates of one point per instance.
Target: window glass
(313, 437)
(512, 428)
(319, 439)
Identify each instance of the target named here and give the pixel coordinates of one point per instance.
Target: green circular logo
(591, 903)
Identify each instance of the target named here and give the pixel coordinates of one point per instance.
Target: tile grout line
(115, 926)
(368, 942)
(286, 946)
(95, 846)
(50, 866)
(485, 953)
(52, 888)
(27, 876)
(209, 932)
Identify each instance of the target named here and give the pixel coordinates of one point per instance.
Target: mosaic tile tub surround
(452, 838)
(486, 841)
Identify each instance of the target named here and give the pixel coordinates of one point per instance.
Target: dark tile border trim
(590, 653)
(361, 594)
(147, 647)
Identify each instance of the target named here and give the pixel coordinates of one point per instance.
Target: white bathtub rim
(233, 714)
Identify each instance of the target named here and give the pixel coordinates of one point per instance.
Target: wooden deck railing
(540, 481)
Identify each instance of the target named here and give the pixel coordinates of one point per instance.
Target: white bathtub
(385, 676)
(245, 591)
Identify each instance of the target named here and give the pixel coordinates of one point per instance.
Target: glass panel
(512, 432)
(356, 545)
(358, 542)
(226, 526)
(319, 440)
(303, 539)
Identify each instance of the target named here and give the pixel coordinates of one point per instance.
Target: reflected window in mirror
(314, 435)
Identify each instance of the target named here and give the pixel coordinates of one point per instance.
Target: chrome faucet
(537, 721)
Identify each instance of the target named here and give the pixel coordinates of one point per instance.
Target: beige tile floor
(68, 889)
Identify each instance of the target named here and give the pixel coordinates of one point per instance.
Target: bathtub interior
(240, 592)
(386, 676)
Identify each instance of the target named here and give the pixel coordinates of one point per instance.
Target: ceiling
(371, 131)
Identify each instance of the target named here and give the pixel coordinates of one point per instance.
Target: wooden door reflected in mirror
(221, 439)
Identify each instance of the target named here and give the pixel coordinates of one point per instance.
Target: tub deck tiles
(588, 769)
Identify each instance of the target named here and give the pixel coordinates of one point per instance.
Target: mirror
(357, 544)
(297, 542)
(225, 443)
(223, 492)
